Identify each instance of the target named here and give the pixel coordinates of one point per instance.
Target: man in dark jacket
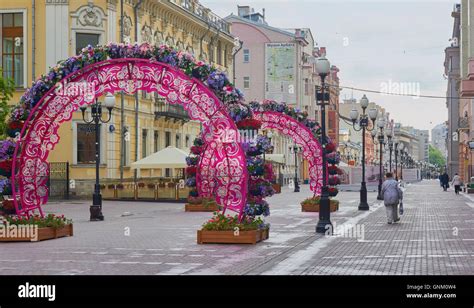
(444, 179)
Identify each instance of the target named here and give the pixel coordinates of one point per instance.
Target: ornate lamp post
(381, 141)
(323, 67)
(96, 113)
(390, 148)
(363, 122)
(398, 152)
(295, 150)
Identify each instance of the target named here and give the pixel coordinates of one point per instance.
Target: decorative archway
(39, 134)
(288, 126)
(302, 136)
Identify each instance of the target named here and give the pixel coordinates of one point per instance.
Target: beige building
(37, 34)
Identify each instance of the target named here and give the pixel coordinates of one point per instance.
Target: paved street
(435, 236)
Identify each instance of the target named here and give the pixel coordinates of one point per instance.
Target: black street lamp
(323, 67)
(381, 142)
(390, 148)
(363, 122)
(398, 152)
(96, 113)
(295, 150)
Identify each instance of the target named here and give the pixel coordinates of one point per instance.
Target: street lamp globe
(381, 122)
(269, 134)
(400, 146)
(354, 115)
(109, 101)
(373, 112)
(364, 102)
(389, 133)
(322, 66)
(373, 133)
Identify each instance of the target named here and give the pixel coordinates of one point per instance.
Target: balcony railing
(203, 13)
(170, 112)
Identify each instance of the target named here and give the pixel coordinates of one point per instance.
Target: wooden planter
(189, 207)
(277, 188)
(43, 234)
(333, 206)
(229, 237)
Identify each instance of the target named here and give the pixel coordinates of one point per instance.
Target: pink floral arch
(40, 130)
(302, 136)
(286, 125)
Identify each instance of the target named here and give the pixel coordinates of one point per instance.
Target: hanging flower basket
(249, 124)
(6, 168)
(333, 191)
(14, 128)
(196, 150)
(333, 180)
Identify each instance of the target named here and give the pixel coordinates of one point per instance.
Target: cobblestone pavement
(162, 240)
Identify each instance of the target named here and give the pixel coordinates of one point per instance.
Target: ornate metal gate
(58, 181)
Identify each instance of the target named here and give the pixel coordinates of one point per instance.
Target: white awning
(276, 158)
(169, 157)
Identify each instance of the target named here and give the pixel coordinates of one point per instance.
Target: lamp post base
(363, 205)
(96, 208)
(324, 225)
(96, 213)
(297, 186)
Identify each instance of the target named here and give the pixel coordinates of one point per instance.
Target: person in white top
(457, 183)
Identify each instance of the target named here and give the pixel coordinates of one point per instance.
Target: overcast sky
(377, 45)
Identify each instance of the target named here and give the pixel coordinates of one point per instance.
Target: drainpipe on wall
(135, 12)
(234, 54)
(33, 44)
(122, 108)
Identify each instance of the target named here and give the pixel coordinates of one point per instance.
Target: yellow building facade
(36, 34)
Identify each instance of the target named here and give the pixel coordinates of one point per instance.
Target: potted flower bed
(198, 204)
(312, 204)
(224, 229)
(35, 228)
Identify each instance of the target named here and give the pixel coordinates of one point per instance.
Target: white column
(57, 31)
(111, 24)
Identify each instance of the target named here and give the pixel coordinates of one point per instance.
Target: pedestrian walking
(444, 181)
(457, 183)
(392, 196)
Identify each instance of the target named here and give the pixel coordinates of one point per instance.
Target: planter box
(333, 206)
(277, 188)
(189, 207)
(228, 237)
(43, 234)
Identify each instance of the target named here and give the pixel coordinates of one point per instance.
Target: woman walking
(457, 183)
(392, 195)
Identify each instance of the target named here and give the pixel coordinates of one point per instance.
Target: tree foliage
(7, 87)
(436, 157)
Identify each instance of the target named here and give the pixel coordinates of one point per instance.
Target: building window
(306, 86)
(219, 53)
(246, 55)
(12, 47)
(178, 140)
(246, 82)
(144, 142)
(86, 143)
(167, 139)
(187, 141)
(156, 139)
(84, 39)
(225, 56)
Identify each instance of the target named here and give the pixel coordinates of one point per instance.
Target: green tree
(7, 87)
(436, 157)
